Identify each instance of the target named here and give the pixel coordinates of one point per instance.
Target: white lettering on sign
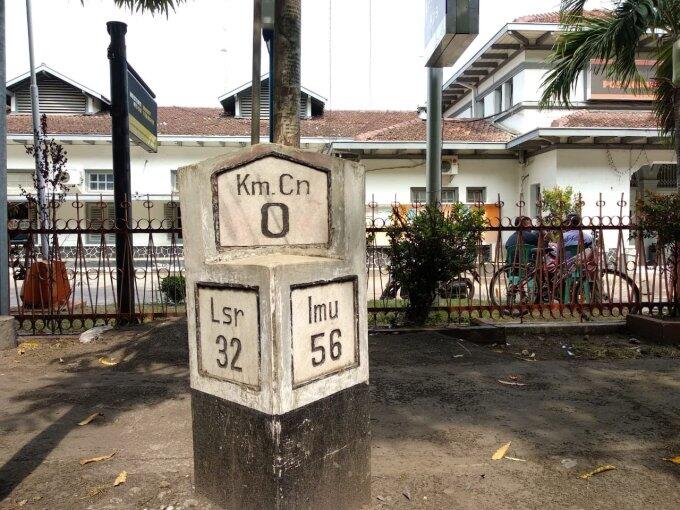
(273, 202)
(324, 330)
(228, 334)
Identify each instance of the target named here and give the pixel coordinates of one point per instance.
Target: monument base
(317, 456)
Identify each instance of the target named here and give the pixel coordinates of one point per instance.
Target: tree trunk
(676, 250)
(286, 115)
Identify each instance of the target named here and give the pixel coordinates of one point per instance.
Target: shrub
(659, 217)
(432, 247)
(174, 288)
(557, 203)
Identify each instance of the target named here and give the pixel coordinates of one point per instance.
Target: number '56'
(319, 350)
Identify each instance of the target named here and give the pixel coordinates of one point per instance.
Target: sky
(359, 54)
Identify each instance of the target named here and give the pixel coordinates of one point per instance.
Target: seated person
(575, 233)
(529, 237)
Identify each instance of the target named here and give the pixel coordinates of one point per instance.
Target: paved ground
(438, 415)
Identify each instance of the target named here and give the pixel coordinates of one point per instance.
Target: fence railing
(544, 268)
(75, 289)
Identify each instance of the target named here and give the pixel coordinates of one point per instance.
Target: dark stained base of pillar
(317, 456)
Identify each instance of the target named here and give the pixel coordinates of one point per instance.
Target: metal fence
(75, 289)
(547, 267)
(600, 268)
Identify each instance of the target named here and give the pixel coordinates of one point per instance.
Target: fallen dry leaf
(596, 471)
(107, 362)
(674, 460)
(96, 459)
(120, 479)
(500, 453)
(511, 383)
(89, 419)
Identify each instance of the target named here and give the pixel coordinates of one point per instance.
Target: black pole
(122, 190)
(269, 39)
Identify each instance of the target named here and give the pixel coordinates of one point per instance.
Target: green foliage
(615, 39)
(174, 288)
(659, 217)
(432, 247)
(153, 6)
(557, 203)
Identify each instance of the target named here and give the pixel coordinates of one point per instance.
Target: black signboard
(143, 118)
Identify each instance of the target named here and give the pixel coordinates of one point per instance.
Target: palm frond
(609, 43)
(153, 6)
(571, 11)
(664, 91)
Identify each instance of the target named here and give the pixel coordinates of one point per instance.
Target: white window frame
(88, 181)
(475, 189)
(415, 190)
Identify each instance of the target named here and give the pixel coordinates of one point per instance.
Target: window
(498, 100)
(475, 195)
(100, 181)
(449, 195)
(479, 109)
(173, 180)
(100, 216)
(18, 179)
(508, 91)
(173, 218)
(534, 197)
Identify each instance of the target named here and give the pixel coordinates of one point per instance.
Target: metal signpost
(450, 27)
(133, 113)
(4, 237)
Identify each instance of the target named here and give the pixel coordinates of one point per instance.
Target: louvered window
(245, 100)
(173, 218)
(100, 216)
(55, 96)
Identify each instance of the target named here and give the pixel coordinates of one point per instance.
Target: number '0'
(285, 220)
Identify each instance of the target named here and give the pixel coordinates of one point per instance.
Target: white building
(497, 143)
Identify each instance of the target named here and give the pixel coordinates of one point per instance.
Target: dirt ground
(439, 412)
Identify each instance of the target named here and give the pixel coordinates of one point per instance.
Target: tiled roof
(462, 130)
(554, 17)
(347, 124)
(605, 119)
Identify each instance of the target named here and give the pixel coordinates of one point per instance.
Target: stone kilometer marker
(274, 242)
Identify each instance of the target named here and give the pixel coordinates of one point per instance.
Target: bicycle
(520, 285)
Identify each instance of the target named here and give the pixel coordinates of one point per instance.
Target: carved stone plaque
(272, 202)
(324, 329)
(228, 333)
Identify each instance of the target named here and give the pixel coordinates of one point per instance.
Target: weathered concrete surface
(664, 331)
(438, 413)
(8, 332)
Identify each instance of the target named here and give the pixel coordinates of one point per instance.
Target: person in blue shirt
(524, 228)
(575, 233)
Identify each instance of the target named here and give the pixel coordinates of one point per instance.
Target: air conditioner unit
(450, 165)
(73, 177)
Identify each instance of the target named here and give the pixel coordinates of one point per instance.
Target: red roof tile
(613, 119)
(460, 130)
(184, 121)
(554, 17)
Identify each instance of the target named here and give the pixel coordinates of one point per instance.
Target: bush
(659, 217)
(431, 247)
(174, 289)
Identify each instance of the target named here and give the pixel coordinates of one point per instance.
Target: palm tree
(153, 6)
(615, 38)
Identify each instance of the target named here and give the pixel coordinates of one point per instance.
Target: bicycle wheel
(457, 288)
(512, 293)
(612, 289)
